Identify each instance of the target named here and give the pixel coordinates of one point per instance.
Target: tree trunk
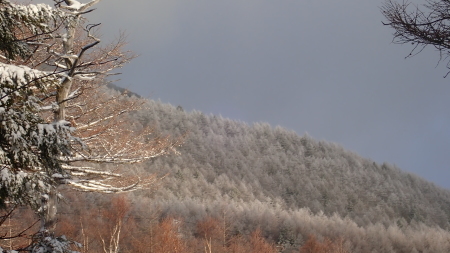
(49, 210)
(49, 202)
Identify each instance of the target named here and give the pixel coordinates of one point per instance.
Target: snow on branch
(84, 171)
(59, 123)
(16, 77)
(32, 20)
(114, 186)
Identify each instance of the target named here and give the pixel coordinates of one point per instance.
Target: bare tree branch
(428, 25)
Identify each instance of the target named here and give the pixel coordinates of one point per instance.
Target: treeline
(118, 224)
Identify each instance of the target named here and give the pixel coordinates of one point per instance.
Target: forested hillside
(256, 176)
(235, 187)
(222, 159)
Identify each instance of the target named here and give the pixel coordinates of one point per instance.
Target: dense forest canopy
(256, 162)
(257, 176)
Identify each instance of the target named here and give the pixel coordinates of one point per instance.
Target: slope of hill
(231, 159)
(267, 177)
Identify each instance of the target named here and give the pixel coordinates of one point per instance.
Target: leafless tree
(98, 118)
(421, 26)
(69, 54)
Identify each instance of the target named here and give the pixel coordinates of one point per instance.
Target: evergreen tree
(56, 120)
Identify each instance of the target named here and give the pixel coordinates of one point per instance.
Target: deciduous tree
(427, 25)
(57, 121)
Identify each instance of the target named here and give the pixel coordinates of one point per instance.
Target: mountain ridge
(255, 176)
(227, 148)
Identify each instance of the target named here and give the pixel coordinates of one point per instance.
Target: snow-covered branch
(58, 121)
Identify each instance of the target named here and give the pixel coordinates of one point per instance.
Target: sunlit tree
(57, 120)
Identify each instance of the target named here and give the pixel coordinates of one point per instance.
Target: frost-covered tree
(56, 119)
(30, 148)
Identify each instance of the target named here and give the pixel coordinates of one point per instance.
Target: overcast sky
(327, 68)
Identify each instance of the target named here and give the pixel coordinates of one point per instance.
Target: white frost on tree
(28, 155)
(55, 122)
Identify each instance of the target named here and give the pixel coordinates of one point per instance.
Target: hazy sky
(327, 68)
